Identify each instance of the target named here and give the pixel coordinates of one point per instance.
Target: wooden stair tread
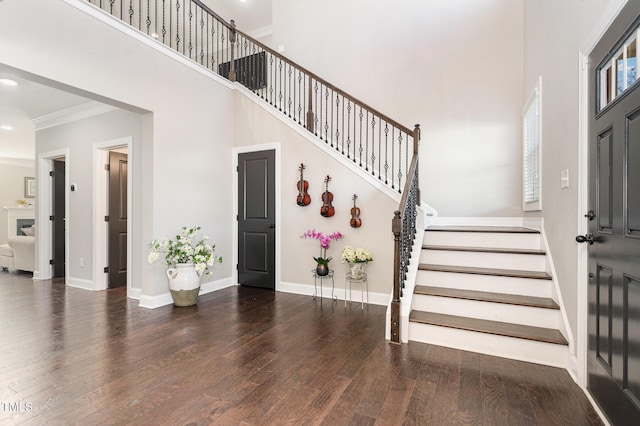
(490, 327)
(484, 296)
(484, 249)
(485, 271)
(495, 229)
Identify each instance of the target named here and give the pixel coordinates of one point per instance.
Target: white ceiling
(21, 104)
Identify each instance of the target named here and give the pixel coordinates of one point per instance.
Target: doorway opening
(53, 239)
(257, 184)
(112, 208)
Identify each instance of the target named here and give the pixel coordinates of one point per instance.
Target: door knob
(588, 238)
(272, 226)
(590, 215)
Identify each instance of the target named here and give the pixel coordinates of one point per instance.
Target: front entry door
(614, 223)
(256, 219)
(118, 164)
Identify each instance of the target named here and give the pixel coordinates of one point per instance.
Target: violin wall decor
(327, 209)
(303, 198)
(355, 221)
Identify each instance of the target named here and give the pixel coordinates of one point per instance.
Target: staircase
(486, 289)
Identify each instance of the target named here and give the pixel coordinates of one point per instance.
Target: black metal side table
(322, 277)
(361, 280)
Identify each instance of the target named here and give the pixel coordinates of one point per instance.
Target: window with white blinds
(531, 125)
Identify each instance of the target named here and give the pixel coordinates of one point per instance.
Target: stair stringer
(572, 361)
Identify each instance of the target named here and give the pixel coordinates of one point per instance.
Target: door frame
(235, 154)
(44, 195)
(100, 210)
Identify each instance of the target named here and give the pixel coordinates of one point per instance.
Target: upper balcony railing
(371, 140)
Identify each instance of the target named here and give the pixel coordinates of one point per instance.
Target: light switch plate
(564, 179)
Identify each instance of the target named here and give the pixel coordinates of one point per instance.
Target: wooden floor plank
(247, 356)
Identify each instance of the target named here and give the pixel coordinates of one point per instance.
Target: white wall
(255, 126)
(554, 33)
(11, 190)
(455, 67)
(78, 137)
(186, 142)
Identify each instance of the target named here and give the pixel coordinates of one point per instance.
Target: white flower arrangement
(355, 255)
(185, 249)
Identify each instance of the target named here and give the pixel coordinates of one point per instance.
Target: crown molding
(18, 162)
(71, 114)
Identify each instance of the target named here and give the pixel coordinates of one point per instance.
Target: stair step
(537, 334)
(485, 271)
(484, 237)
(484, 249)
(494, 229)
(483, 296)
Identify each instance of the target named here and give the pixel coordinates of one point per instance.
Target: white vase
(184, 284)
(356, 269)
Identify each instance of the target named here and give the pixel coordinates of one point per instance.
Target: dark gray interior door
(117, 219)
(614, 256)
(256, 219)
(58, 219)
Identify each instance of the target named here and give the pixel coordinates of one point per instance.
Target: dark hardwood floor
(247, 356)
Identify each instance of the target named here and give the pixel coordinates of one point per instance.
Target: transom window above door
(619, 72)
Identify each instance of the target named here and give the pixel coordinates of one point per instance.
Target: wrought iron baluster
(380, 150)
(326, 115)
(386, 152)
(334, 129)
(373, 145)
(360, 149)
(300, 96)
(349, 132)
(318, 111)
(342, 127)
(190, 26)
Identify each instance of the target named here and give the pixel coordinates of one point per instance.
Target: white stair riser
(502, 346)
(523, 262)
(507, 285)
(483, 239)
(514, 314)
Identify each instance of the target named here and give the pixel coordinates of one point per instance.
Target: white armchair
(24, 252)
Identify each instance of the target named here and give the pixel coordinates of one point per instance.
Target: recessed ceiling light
(243, 1)
(6, 127)
(8, 82)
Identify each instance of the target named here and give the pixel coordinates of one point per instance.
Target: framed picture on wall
(29, 187)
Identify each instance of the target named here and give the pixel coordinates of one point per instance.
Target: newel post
(310, 115)
(232, 39)
(416, 143)
(396, 227)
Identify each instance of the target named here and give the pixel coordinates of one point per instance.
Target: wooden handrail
(306, 71)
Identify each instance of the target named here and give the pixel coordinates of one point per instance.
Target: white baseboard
(339, 291)
(80, 283)
(134, 293)
(164, 299)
